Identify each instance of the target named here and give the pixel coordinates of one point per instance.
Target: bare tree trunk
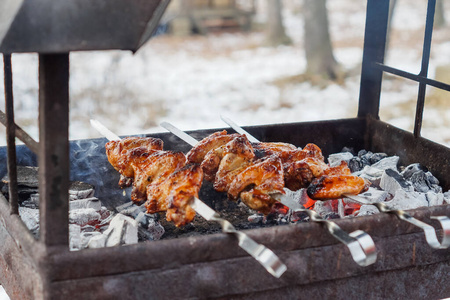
(318, 49)
(439, 17)
(275, 32)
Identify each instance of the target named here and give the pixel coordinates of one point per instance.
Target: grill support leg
(53, 155)
(10, 135)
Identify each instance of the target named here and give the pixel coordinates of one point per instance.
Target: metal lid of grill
(47, 26)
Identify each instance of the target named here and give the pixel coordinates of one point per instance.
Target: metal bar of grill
(21, 135)
(54, 148)
(424, 70)
(411, 76)
(374, 49)
(10, 136)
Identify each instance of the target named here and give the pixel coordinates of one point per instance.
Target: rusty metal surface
(21, 134)
(48, 26)
(54, 148)
(10, 135)
(400, 256)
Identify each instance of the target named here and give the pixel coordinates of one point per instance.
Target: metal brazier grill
(208, 265)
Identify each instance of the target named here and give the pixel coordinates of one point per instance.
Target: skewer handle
(266, 257)
(360, 244)
(429, 231)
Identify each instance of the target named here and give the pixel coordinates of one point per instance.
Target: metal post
(53, 155)
(374, 49)
(424, 70)
(10, 135)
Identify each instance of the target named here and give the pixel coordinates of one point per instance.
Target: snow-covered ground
(191, 81)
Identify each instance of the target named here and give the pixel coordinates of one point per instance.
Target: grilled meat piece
(174, 193)
(213, 141)
(263, 177)
(267, 149)
(333, 187)
(237, 156)
(121, 153)
(211, 162)
(155, 168)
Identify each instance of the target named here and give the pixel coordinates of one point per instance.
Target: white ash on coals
(91, 225)
(400, 188)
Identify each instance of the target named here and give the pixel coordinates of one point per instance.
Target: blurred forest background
(257, 61)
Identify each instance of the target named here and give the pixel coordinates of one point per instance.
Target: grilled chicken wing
(121, 153)
(263, 177)
(213, 141)
(237, 156)
(334, 187)
(153, 169)
(174, 193)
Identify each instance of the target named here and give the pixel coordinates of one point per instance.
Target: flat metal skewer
(430, 231)
(360, 244)
(266, 257)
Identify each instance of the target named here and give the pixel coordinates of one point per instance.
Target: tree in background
(439, 17)
(318, 49)
(275, 32)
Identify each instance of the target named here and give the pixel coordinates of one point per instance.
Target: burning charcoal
(26, 176)
(434, 198)
(374, 172)
(323, 208)
(407, 200)
(121, 230)
(31, 219)
(413, 168)
(392, 181)
(372, 195)
(86, 237)
(365, 156)
(84, 216)
(367, 210)
(331, 216)
(74, 237)
(299, 216)
(256, 218)
(355, 164)
(97, 241)
(131, 209)
(348, 149)
(341, 210)
(86, 203)
(376, 157)
(80, 190)
(447, 197)
(33, 202)
(387, 163)
(335, 159)
(361, 153)
(149, 227)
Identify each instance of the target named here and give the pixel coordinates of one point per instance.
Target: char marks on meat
(174, 193)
